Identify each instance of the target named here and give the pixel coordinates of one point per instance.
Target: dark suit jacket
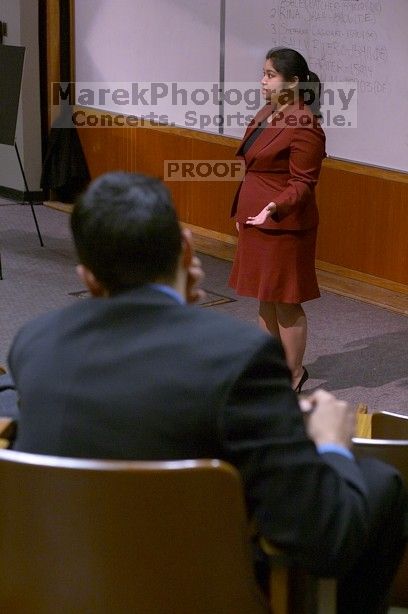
(8, 398)
(139, 376)
(282, 165)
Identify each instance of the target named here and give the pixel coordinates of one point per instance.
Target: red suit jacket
(282, 165)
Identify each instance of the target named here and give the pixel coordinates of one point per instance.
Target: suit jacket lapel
(258, 119)
(264, 140)
(269, 133)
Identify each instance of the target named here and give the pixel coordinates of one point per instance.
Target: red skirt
(275, 266)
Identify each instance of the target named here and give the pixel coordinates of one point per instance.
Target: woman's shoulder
(300, 115)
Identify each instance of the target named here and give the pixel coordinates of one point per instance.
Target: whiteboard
(181, 45)
(156, 57)
(354, 41)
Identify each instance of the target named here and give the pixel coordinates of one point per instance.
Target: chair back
(388, 425)
(123, 536)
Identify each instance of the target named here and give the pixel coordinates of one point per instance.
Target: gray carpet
(356, 350)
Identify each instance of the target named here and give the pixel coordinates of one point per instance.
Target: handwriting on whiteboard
(343, 40)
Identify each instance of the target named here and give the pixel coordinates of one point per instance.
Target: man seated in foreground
(136, 373)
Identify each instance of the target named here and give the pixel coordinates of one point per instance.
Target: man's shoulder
(201, 326)
(47, 324)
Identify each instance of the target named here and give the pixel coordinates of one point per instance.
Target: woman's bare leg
(292, 325)
(287, 322)
(267, 318)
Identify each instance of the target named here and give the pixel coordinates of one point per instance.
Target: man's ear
(90, 281)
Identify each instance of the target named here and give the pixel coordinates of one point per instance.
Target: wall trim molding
(368, 170)
(372, 280)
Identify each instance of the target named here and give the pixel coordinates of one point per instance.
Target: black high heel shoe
(302, 380)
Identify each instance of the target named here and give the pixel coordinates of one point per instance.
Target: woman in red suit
(275, 206)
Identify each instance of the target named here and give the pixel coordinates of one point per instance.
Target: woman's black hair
(290, 64)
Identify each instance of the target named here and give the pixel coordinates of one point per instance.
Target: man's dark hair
(126, 231)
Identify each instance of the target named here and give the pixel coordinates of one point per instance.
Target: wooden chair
(128, 536)
(381, 425)
(294, 590)
(389, 425)
(117, 536)
(393, 452)
(363, 421)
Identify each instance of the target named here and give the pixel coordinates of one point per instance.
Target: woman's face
(272, 82)
(274, 88)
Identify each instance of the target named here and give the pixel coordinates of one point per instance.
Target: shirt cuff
(337, 449)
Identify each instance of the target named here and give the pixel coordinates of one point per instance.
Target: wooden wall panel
(363, 210)
(211, 200)
(52, 50)
(201, 203)
(364, 221)
(154, 149)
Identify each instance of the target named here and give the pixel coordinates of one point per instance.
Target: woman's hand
(261, 218)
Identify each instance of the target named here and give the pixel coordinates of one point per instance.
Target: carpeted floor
(355, 349)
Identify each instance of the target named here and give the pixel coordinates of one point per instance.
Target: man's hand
(193, 269)
(195, 275)
(328, 420)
